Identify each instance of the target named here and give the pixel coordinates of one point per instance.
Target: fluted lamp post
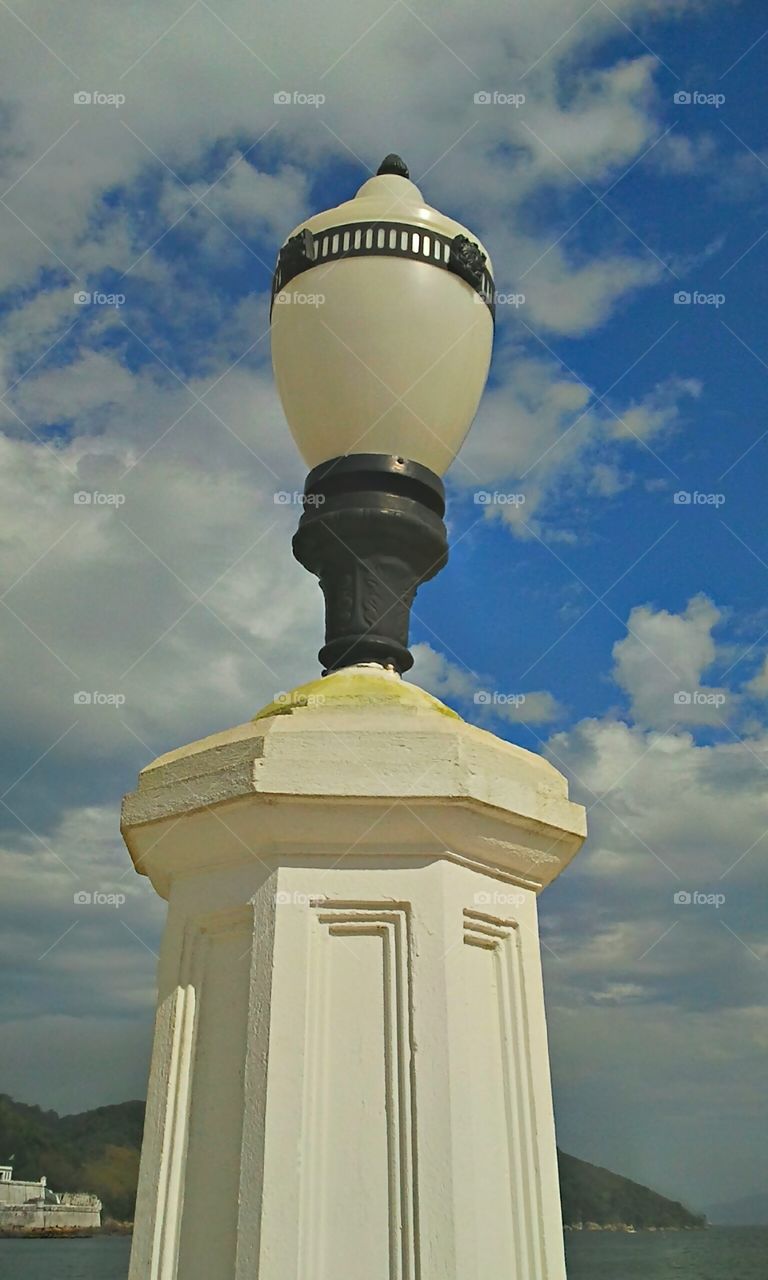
(350, 1075)
(380, 352)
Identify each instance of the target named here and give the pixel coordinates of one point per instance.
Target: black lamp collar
(372, 531)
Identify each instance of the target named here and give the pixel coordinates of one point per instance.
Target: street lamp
(382, 327)
(350, 1073)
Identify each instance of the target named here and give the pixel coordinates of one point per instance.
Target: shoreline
(66, 1233)
(627, 1228)
(126, 1229)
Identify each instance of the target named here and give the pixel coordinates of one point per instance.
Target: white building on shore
(32, 1206)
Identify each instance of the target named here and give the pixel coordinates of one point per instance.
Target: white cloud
(654, 948)
(539, 707)
(544, 435)
(618, 993)
(657, 411)
(85, 971)
(685, 153)
(105, 597)
(607, 480)
(651, 1092)
(661, 663)
(573, 300)
(653, 944)
(479, 700)
(436, 673)
(605, 123)
(194, 91)
(198, 95)
(758, 685)
(82, 882)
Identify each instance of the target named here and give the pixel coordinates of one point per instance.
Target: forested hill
(95, 1151)
(592, 1194)
(99, 1151)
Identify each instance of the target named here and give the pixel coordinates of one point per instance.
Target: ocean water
(722, 1253)
(97, 1258)
(719, 1253)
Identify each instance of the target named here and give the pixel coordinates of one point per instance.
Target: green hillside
(592, 1194)
(99, 1151)
(95, 1151)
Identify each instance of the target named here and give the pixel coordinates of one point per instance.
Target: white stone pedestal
(350, 1078)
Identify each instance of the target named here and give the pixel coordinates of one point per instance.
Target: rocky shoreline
(108, 1228)
(627, 1227)
(112, 1228)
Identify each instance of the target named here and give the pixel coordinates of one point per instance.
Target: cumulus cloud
(686, 153)
(183, 599)
(476, 695)
(654, 947)
(81, 931)
(758, 685)
(542, 436)
(196, 159)
(661, 662)
(607, 480)
(658, 410)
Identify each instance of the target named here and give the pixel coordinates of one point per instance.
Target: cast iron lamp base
(372, 531)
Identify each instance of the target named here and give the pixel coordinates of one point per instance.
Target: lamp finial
(393, 164)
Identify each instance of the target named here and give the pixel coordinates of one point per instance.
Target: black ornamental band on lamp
(390, 239)
(380, 362)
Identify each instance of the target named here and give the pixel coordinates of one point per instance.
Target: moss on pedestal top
(362, 686)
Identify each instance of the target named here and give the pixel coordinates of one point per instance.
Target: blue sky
(595, 595)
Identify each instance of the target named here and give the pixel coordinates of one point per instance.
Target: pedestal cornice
(316, 772)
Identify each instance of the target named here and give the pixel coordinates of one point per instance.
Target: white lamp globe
(382, 327)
